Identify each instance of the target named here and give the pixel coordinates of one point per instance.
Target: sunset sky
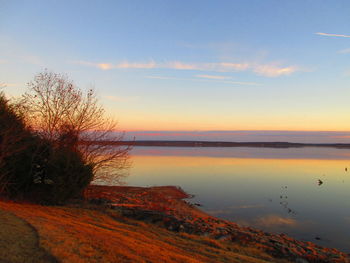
(190, 65)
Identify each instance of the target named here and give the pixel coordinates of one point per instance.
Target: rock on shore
(166, 207)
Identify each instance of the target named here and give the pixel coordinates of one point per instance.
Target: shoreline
(164, 206)
(224, 144)
(132, 224)
(91, 233)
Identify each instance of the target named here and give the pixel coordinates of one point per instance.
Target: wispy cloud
(137, 65)
(104, 66)
(207, 78)
(213, 77)
(267, 70)
(122, 98)
(159, 77)
(331, 35)
(182, 66)
(216, 67)
(122, 65)
(232, 66)
(241, 83)
(222, 66)
(274, 71)
(344, 51)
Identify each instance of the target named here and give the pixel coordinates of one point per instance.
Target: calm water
(276, 190)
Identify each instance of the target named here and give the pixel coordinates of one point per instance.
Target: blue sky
(190, 65)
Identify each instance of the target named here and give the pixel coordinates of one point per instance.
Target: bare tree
(62, 113)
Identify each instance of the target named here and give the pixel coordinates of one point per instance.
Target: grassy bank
(142, 224)
(86, 234)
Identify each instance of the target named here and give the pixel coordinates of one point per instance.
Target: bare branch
(55, 107)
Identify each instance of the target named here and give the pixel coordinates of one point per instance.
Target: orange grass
(86, 235)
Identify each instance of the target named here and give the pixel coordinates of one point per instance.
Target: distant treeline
(225, 144)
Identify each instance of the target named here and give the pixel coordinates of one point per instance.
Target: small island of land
(164, 143)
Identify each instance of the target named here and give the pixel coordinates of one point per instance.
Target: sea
(302, 192)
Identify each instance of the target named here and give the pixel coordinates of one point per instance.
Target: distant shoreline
(172, 143)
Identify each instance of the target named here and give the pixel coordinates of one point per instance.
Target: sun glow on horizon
(170, 68)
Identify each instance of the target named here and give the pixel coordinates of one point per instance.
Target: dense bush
(38, 169)
(15, 157)
(64, 174)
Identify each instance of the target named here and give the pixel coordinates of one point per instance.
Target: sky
(190, 64)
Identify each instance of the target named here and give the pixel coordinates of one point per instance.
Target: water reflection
(248, 152)
(276, 190)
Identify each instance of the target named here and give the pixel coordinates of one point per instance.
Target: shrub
(63, 177)
(15, 153)
(34, 168)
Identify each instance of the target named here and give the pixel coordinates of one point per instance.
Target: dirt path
(19, 241)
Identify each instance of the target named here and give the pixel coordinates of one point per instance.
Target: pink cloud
(267, 70)
(136, 65)
(274, 71)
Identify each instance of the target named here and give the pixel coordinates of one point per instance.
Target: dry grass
(84, 235)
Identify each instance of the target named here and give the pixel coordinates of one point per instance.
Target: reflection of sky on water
(247, 152)
(245, 136)
(278, 193)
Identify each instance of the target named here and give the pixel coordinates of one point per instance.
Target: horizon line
(238, 130)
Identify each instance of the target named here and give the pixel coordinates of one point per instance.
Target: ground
(84, 235)
(129, 226)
